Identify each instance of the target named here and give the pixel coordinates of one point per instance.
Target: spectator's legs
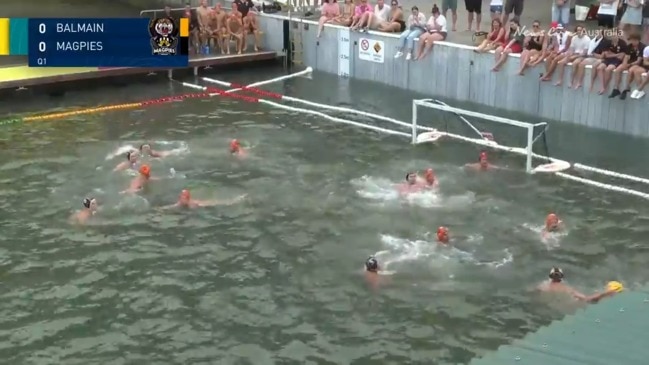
(596, 71)
(518, 9)
(501, 57)
(474, 7)
(642, 85)
(525, 58)
(354, 24)
(617, 73)
(606, 78)
(565, 14)
(575, 70)
(430, 42)
(422, 44)
(631, 75)
(562, 68)
(366, 20)
(321, 23)
(548, 65)
(555, 12)
(553, 66)
(410, 42)
(452, 6)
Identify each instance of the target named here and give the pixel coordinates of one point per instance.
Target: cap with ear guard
(556, 274)
(372, 264)
(409, 173)
(87, 202)
(483, 155)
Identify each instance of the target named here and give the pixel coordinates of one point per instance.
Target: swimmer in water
(140, 181)
(411, 185)
(372, 271)
(556, 285)
(185, 201)
(146, 149)
(430, 180)
(443, 236)
(236, 149)
(552, 225)
(130, 163)
(482, 164)
(89, 209)
(612, 288)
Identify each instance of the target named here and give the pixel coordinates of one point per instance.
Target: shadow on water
(277, 277)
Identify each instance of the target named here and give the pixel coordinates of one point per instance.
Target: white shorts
(375, 22)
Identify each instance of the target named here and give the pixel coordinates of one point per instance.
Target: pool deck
(22, 76)
(607, 333)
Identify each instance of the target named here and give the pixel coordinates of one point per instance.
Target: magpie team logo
(164, 36)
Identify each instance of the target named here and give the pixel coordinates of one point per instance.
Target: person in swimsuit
(411, 185)
(395, 22)
(345, 19)
(533, 47)
(234, 26)
(140, 181)
(236, 149)
(372, 269)
(145, 149)
(495, 38)
(443, 235)
(555, 284)
(130, 163)
(218, 26)
(89, 209)
(250, 26)
(482, 164)
(514, 45)
(430, 180)
(552, 224)
(185, 201)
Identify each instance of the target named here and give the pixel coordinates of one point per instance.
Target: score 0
(41, 61)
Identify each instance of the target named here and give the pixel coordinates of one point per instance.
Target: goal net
(433, 120)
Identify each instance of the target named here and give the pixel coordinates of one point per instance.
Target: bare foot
(495, 69)
(577, 87)
(545, 78)
(239, 52)
(454, 29)
(601, 91)
(558, 83)
(256, 49)
(521, 73)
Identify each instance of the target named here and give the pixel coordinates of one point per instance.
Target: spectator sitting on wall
(632, 19)
(578, 49)
(512, 6)
(217, 25)
(562, 40)
(606, 13)
(495, 38)
(593, 58)
(359, 19)
(372, 19)
(496, 9)
(633, 58)
(613, 61)
(515, 39)
(416, 27)
(234, 26)
(194, 28)
(533, 51)
(435, 31)
(345, 19)
(474, 7)
(204, 18)
(452, 6)
(636, 74)
(560, 46)
(395, 22)
(330, 11)
(250, 26)
(561, 11)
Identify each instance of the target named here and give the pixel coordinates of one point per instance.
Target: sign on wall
(371, 50)
(344, 52)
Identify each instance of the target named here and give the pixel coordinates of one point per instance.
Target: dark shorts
(473, 6)
(448, 5)
(402, 25)
(606, 21)
(497, 9)
(514, 6)
(612, 62)
(443, 34)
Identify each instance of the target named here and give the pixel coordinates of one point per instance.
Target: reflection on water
(276, 277)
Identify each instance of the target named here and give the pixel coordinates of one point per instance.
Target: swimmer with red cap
(89, 209)
(145, 149)
(552, 224)
(482, 164)
(130, 163)
(185, 201)
(442, 235)
(140, 181)
(236, 149)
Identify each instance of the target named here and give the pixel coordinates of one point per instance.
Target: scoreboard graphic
(97, 42)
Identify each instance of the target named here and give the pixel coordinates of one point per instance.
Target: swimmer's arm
(159, 154)
(167, 207)
(120, 167)
(598, 296)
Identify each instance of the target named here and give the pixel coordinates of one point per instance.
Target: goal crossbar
(530, 127)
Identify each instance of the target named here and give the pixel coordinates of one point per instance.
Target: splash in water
(551, 240)
(177, 148)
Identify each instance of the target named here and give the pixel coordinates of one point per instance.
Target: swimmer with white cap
(89, 209)
(612, 288)
(185, 200)
(130, 163)
(145, 149)
(555, 284)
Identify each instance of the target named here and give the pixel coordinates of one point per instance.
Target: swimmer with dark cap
(146, 149)
(130, 163)
(482, 164)
(141, 180)
(89, 209)
(555, 284)
(236, 149)
(372, 271)
(411, 185)
(185, 201)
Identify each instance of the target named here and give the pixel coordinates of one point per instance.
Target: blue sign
(111, 42)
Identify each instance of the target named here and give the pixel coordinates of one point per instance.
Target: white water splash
(551, 240)
(178, 148)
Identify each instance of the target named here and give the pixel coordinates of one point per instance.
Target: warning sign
(371, 50)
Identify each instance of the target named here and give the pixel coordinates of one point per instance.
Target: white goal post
(554, 165)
